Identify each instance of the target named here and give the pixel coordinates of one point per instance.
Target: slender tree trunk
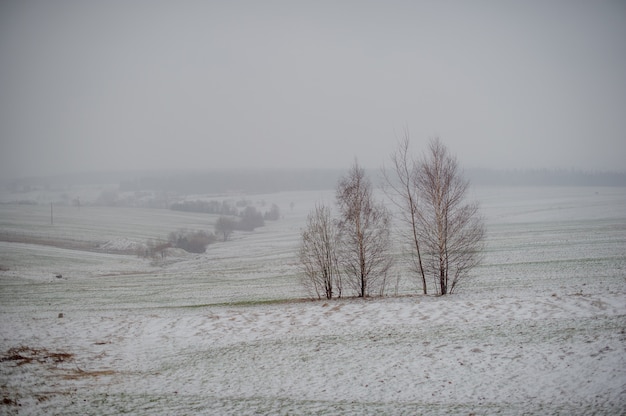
(362, 271)
(404, 196)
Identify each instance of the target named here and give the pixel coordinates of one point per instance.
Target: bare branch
(402, 189)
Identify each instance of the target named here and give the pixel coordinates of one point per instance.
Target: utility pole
(51, 217)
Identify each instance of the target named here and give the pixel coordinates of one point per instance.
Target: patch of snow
(122, 244)
(463, 353)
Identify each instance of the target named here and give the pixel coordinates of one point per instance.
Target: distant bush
(273, 214)
(242, 203)
(191, 241)
(224, 226)
(154, 249)
(250, 219)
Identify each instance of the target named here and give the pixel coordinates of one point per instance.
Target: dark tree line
(241, 216)
(248, 219)
(207, 207)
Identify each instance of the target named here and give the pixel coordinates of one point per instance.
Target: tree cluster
(247, 220)
(191, 241)
(352, 249)
(240, 216)
(443, 232)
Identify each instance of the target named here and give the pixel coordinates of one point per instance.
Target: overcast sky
(108, 85)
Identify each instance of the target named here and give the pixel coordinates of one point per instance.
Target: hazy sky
(100, 85)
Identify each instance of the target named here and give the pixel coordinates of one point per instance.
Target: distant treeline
(248, 181)
(545, 177)
(277, 180)
(242, 208)
(182, 182)
(207, 207)
(264, 181)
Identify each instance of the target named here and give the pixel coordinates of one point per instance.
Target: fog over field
(152, 85)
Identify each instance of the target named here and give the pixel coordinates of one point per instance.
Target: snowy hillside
(541, 328)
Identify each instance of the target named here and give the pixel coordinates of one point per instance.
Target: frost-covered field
(541, 328)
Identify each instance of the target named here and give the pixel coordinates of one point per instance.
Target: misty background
(196, 85)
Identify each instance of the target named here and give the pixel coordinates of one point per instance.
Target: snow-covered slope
(540, 329)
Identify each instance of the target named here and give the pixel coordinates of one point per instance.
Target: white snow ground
(541, 329)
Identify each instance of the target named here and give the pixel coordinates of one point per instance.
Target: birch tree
(450, 230)
(402, 189)
(318, 254)
(364, 225)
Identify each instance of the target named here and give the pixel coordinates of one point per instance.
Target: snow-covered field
(540, 328)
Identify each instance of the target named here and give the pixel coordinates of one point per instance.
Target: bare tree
(318, 254)
(273, 214)
(402, 189)
(225, 226)
(449, 230)
(365, 233)
(155, 249)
